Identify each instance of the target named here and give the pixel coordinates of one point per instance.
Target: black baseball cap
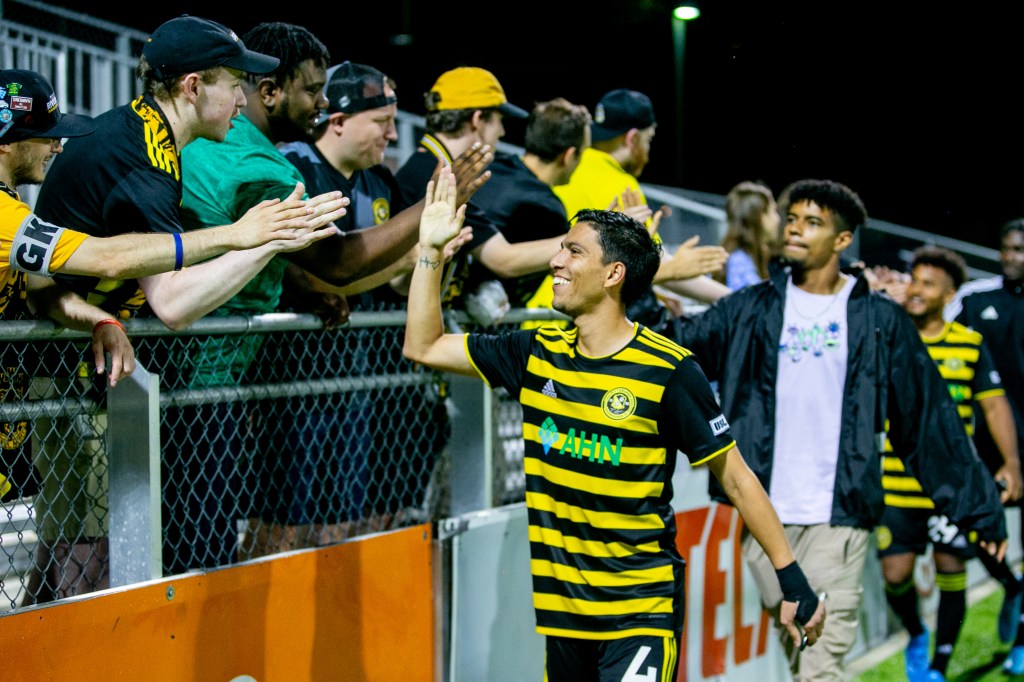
(352, 88)
(29, 108)
(620, 111)
(188, 44)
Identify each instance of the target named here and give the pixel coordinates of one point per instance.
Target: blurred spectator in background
(608, 178)
(752, 234)
(519, 199)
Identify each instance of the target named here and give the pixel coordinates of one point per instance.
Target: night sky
(911, 107)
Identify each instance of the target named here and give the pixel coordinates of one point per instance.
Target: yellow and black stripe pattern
(598, 482)
(958, 354)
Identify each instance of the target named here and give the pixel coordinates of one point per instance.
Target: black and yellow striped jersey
(601, 436)
(964, 362)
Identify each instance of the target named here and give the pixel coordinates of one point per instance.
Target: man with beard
(812, 368)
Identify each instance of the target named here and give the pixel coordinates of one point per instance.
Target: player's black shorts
(611, 660)
(910, 530)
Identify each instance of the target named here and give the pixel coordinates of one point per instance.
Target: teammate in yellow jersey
(910, 520)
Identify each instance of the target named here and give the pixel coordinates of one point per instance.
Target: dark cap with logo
(29, 108)
(188, 44)
(352, 88)
(620, 111)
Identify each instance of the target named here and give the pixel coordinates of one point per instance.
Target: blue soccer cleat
(916, 657)
(934, 676)
(1014, 663)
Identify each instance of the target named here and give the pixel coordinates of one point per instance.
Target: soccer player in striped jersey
(607, 404)
(910, 520)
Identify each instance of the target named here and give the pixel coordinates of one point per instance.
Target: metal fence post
(133, 453)
(471, 445)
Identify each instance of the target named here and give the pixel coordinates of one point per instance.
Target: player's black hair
(290, 43)
(842, 202)
(943, 258)
(624, 239)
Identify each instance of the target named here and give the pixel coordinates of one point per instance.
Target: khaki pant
(832, 558)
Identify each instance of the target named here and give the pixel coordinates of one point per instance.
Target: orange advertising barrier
(361, 610)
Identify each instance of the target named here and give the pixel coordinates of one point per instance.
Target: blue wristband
(178, 254)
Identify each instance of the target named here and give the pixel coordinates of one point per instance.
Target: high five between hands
(293, 222)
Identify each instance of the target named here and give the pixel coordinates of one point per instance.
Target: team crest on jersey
(618, 403)
(381, 210)
(884, 537)
(953, 364)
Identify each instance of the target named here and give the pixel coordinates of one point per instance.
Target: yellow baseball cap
(470, 87)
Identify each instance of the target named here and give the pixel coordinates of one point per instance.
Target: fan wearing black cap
(282, 106)
(607, 177)
(351, 138)
(32, 128)
(127, 178)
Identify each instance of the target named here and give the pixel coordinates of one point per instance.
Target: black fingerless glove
(795, 588)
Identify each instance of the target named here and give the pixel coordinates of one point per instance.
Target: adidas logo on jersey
(549, 389)
(989, 313)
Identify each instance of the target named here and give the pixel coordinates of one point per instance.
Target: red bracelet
(112, 321)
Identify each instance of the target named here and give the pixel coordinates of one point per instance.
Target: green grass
(978, 656)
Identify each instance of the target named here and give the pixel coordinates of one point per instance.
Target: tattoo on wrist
(425, 262)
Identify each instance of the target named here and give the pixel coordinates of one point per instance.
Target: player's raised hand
(441, 222)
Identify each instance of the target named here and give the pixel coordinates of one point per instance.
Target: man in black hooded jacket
(812, 368)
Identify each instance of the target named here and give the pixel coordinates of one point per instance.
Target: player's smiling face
(930, 289)
(578, 271)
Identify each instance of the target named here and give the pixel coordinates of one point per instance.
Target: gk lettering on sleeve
(34, 245)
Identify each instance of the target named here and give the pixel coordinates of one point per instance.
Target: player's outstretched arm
(799, 602)
(425, 339)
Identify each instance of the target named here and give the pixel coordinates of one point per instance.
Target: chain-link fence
(328, 435)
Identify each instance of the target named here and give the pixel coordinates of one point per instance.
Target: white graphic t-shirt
(809, 404)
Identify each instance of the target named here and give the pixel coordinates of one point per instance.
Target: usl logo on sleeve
(719, 425)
